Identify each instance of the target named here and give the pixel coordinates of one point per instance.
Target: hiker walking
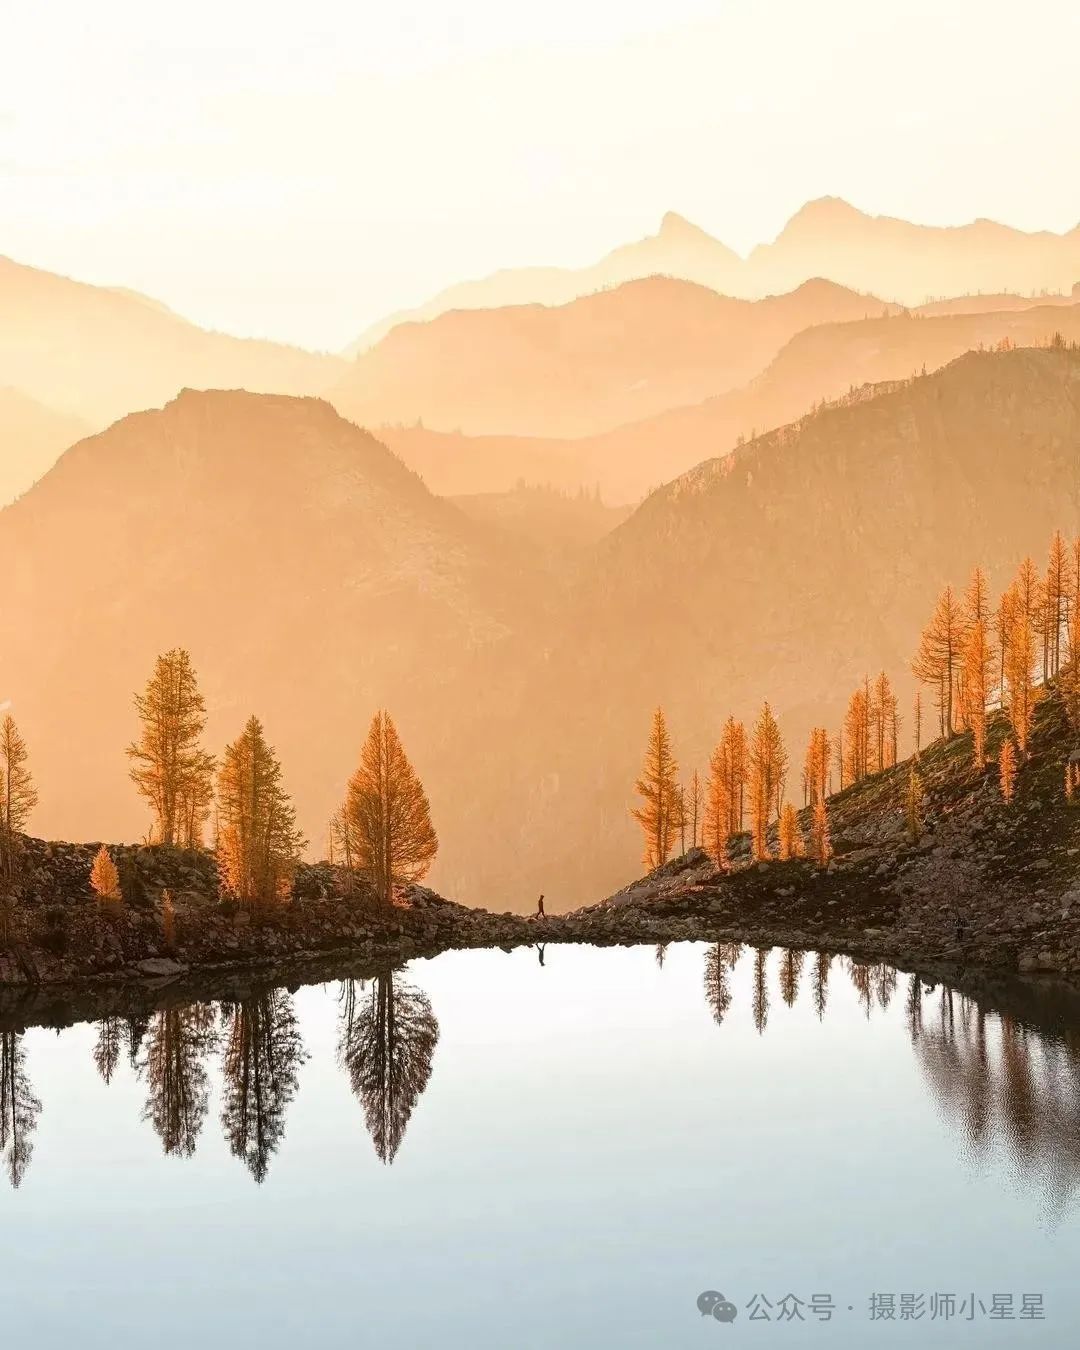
(540, 909)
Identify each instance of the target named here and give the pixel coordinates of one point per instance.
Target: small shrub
(104, 878)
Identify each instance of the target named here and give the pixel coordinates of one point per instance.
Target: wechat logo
(713, 1303)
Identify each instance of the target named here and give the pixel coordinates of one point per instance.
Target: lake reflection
(644, 1123)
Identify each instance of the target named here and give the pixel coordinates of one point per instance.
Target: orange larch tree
(768, 772)
(978, 661)
(658, 787)
(937, 662)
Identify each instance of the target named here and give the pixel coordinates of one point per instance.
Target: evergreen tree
(1007, 769)
(820, 842)
(716, 821)
(1056, 607)
(258, 842)
(856, 737)
(768, 770)
(790, 836)
(816, 766)
(1024, 611)
(386, 827)
(168, 767)
(658, 787)
(937, 662)
(978, 662)
(18, 797)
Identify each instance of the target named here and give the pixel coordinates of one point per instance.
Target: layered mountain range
(895, 259)
(315, 578)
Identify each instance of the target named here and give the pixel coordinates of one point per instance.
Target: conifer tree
(1007, 769)
(716, 820)
(884, 720)
(768, 770)
(387, 820)
(693, 808)
(978, 662)
(790, 837)
(258, 842)
(168, 767)
(937, 662)
(857, 737)
(917, 720)
(820, 841)
(18, 796)
(1056, 607)
(816, 766)
(104, 877)
(1020, 651)
(658, 788)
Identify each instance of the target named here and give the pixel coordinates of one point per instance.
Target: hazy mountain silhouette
(827, 237)
(678, 249)
(785, 570)
(32, 437)
(912, 263)
(820, 362)
(583, 367)
(99, 353)
(545, 521)
(314, 578)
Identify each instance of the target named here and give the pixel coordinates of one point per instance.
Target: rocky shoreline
(984, 885)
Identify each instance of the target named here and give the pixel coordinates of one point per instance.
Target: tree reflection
(761, 989)
(790, 970)
(720, 959)
(107, 1047)
(1003, 1080)
(178, 1092)
(19, 1108)
(820, 983)
(386, 1047)
(263, 1054)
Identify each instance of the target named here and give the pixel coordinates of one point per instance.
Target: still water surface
(485, 1151)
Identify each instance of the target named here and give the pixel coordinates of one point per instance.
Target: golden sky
(297, 171)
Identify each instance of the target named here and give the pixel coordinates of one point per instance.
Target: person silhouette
(540, 951)
(540, 909)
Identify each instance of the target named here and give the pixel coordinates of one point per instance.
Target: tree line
(973, 656)
(382, 832)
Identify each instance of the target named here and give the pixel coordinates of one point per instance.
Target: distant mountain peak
(675, 228)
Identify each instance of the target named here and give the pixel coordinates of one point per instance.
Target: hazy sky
(298, 170)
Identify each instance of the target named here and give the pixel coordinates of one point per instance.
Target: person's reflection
(386, 1047)
(540, 951)
(19, 1108)
(174, 1065)
(261, 1066)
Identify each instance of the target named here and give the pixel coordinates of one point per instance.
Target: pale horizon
(338, 171)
